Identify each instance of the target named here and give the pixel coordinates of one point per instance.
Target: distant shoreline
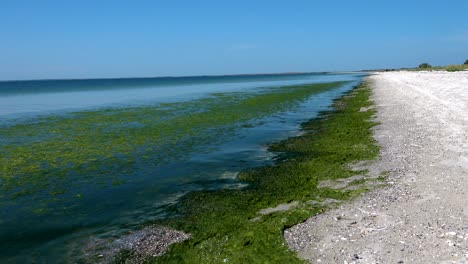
(185, 76)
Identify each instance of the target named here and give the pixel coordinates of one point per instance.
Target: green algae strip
(226, 225)
(56, 156)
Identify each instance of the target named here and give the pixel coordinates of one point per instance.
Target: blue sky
(92, 39)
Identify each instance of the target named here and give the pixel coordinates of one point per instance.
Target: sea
(93, 159)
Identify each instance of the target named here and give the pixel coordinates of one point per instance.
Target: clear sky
(97, 38)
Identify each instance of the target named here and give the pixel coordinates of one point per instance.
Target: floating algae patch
(227, 226)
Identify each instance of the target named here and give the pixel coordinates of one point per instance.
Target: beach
(374, 173)
(421, 214)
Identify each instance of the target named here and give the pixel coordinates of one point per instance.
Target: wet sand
(421, 216)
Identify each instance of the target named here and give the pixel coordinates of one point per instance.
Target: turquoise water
(32, 98)
(48, 226)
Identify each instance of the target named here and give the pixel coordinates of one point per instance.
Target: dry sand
(422, 215)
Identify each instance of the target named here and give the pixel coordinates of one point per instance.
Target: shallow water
(48, 222)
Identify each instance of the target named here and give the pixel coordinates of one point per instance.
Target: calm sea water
(32, 98)
(53, 237)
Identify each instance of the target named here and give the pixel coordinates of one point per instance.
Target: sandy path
(422, 216)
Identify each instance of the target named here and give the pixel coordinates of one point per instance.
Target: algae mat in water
(226, 225)
(55, 157)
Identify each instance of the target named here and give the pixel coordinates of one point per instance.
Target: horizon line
(182, 76)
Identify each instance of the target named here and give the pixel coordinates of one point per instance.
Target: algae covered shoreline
(420, 216)
(246, 226)
(97, 175)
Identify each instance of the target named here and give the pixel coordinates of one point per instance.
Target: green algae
(56, 156)
(226, 226)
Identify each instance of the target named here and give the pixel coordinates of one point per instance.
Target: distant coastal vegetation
(427, 67)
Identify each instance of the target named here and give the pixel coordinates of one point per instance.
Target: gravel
(421, 216)
(142, 244)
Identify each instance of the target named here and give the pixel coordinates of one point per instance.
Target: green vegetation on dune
(56, 156)
(226, 225)
(449, 68)
(456, 67)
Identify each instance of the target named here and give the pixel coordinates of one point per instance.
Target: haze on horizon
(105, 39)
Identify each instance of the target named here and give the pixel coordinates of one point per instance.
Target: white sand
(422, 216)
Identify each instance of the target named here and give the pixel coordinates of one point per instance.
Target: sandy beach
(421, 216)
